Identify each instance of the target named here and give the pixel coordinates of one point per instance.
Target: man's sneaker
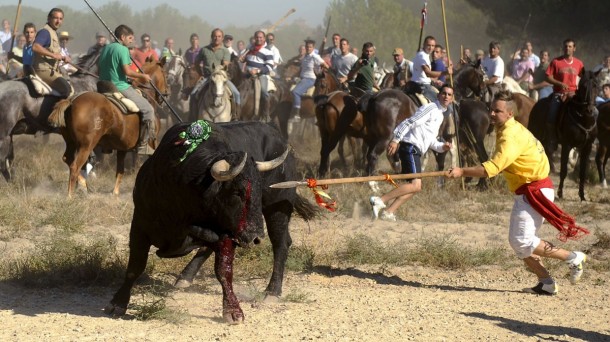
(377, 205)
(543, 289)
(388, 216)
(576, 267)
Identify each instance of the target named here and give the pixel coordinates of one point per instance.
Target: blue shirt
(28, 55)
(43, 37)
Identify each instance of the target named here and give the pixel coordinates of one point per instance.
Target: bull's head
(238, 203)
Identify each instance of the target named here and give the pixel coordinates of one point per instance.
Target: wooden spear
(294, 184)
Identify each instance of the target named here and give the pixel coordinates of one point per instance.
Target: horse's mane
(89, 61)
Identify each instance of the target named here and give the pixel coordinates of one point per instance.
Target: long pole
(424, 13)
(15, 28)
(293, 184)
(136, 64)
(455, 121)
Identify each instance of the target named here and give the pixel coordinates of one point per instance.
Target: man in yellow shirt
(521, 159)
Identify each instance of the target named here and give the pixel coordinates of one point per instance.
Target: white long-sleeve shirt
(421, 129)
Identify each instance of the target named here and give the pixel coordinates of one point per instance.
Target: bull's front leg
(223, 267)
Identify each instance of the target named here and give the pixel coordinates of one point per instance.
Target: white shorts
(524, 224)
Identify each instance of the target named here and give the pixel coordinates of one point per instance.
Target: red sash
(562, 221)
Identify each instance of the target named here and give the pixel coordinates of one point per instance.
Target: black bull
(180, 207)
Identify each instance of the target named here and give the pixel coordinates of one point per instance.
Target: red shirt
(565, 72)
(140, 56)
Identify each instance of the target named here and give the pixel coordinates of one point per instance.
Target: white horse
(215, 104)
(512, 85)
(174, 75)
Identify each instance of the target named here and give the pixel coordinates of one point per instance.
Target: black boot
(295, 114)
(146, 127)
(551, 133)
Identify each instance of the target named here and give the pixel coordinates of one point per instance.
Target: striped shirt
(422, 128)
(262, 60)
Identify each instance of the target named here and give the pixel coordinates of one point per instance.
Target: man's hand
(447, 146)
(392, 147)
(254, 71)
(455, 172)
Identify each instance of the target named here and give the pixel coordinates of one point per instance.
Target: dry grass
(69, 250)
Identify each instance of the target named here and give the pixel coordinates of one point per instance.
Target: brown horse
(90, 119)
(576, 128)
(384, 111)
(603, 135)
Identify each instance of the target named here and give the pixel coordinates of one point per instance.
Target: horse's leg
(324, 154)
(440, 166)
(6, 149)
(563, 171)
(585, 151)
(79, 160)
(353, 145)
(341, 151)
(375, 149)
(600, 162)
(120, 171)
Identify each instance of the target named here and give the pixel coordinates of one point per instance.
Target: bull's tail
(306, 209)
(57, 118)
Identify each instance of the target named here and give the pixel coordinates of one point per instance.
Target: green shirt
(112, 59)
(211, 57)
(366, 77)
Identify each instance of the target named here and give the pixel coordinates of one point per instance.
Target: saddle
(415, 92)
(125, 105)
(38, 88)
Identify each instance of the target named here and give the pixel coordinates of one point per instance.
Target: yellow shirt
(518, 155)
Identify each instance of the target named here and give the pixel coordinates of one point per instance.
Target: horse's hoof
(604, 184)
(271, 299)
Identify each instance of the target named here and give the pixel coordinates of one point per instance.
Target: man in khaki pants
(47, 54)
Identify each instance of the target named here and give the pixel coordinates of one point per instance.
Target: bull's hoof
(233, 316)
(182, 283)
(114, 310)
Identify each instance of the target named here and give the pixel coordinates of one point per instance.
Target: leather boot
(295, 114)
(146, 127)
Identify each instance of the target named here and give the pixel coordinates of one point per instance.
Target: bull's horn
(272, 164)
(222, 171)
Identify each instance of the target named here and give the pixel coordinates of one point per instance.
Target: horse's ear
(478, 64)
(163, 61)
(148, 59)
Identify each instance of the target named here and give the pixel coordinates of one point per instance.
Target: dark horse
(22, 112)
(603, 135)
(576, 128)
(90, 119)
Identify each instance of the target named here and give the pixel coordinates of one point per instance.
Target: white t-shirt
(419, 76)
(277, 58)
(342, 64)
(494, 67)
(308, 64)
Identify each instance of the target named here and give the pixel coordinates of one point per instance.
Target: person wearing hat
(47, 54)
(403, 68)
(228, 43)
(64, 67)
(100, 42)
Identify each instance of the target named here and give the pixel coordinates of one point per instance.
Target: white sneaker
(377, 205)
(575, 266)
(388, 216)
(543, 289)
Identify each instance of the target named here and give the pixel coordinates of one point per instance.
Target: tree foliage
(550, 22)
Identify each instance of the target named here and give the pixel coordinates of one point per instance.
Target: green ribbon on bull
(194, 135)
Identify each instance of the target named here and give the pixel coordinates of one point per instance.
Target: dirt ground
(341, 303)
(345, 303)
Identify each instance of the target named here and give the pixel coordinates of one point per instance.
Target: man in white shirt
(422, 71)
(277, 57)
(308, 76)
(494, 69)
(342, 64)
(412, 138)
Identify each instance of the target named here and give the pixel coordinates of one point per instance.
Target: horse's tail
(57, 117)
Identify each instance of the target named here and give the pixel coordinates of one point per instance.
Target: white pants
(524, 224)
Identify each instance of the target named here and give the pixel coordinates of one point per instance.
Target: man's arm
(142, 77)
(473, 171)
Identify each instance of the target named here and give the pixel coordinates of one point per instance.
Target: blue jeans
(148, 113)
(300, 90)
(235, 92)
(545, 92)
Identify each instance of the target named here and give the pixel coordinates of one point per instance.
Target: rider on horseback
(259, 62)
(213, 55)
(114, 64)
(494, 69)
(308, 76)
(562, 74)
(363, 70)
(47, 54)
(422, 69)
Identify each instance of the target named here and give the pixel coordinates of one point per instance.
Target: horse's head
(325, 83)
(588, 88)
(174, 70)
(379, 73)
(470, 81)
(157, 75)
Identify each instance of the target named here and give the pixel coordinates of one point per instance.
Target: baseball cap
(100, 34)
(228, 37)
(397, 51)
